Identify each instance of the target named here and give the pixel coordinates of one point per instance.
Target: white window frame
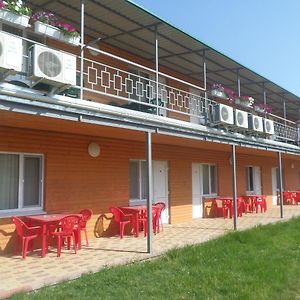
(210, 193)
(139, 200)
(32, 209)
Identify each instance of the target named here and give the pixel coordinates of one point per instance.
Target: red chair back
(19, 225)
(86, 215)
(68, 223)
(118, 214)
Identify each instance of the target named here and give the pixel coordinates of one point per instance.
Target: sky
(263, 35)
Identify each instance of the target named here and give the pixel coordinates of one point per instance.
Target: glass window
(138, 187)
(20, 181)
(209, 181)
(32, 179)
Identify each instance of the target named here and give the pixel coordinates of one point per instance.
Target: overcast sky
(263, 35)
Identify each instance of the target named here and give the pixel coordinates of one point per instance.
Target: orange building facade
(63, 150)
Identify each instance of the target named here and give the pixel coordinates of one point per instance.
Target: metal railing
(130, 85)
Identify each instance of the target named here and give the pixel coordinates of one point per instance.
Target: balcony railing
(133, 86)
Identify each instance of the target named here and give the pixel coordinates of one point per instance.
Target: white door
(257, 180)
(274, 185)
(160, 186)
(197, 190)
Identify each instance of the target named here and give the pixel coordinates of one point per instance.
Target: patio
(36, 272)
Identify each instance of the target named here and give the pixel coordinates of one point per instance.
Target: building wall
(74, 180)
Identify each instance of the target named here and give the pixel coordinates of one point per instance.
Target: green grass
(261, 263)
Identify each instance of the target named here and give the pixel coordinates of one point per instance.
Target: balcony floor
(17, 275)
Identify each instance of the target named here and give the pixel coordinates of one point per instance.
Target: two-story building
(135, 110)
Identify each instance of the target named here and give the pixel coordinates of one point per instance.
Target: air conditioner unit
(241, 118)
(52, 66)
(223, 114)
(255, 123)
(11, 53)
(269, 126)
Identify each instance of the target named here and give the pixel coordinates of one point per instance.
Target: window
(250, 179)
(20, 182)
(209, 176)
(138, 188)
(253, 180)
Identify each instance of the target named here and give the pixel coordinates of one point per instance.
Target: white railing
(133, 86)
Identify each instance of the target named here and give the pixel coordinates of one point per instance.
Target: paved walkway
(35, 272)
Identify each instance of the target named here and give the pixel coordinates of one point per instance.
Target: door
(197, 190)
(274, 185)
(160, 186)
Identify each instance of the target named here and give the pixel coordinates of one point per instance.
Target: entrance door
(160, 186)
(197, 190)
(274, 185)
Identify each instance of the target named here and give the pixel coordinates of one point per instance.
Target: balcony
(115, 81)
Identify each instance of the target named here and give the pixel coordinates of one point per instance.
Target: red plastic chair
(260, 202)
(160, 207)
(121, 218)
(219, 208)
(66, 229)
(86, 216)
(26, 234)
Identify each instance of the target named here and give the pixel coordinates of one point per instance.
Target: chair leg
(74, 242)
(86, 238)
(24, 248)
(58, 246)
(122, 225)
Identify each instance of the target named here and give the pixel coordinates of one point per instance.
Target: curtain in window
(205, 179)
(213, 179)
(9, 181)
(32, 179)
(134, 180)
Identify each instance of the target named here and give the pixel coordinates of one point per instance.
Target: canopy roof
(127, 26)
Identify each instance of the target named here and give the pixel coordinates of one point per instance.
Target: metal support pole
(238, 82)
(265, 94)
(234, 187)
(284, 115)
(156, 71)
(81, 46)
(280, 184)
(204, 71)
(150, 193)
(206, 112)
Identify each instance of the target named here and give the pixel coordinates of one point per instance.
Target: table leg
(44, 240)
(137, 224)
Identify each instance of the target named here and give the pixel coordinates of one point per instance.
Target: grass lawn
(261, 263)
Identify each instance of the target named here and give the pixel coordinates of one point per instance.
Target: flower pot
(75, 40)
(243, 103)
(21, 21)
(55, 33)
(46, 29)
(218, 93)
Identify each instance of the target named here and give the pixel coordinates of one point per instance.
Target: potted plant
(217, 90)
(263, 108)
(15, 12)
(245, 101)
(69, 33)
(47, 24)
